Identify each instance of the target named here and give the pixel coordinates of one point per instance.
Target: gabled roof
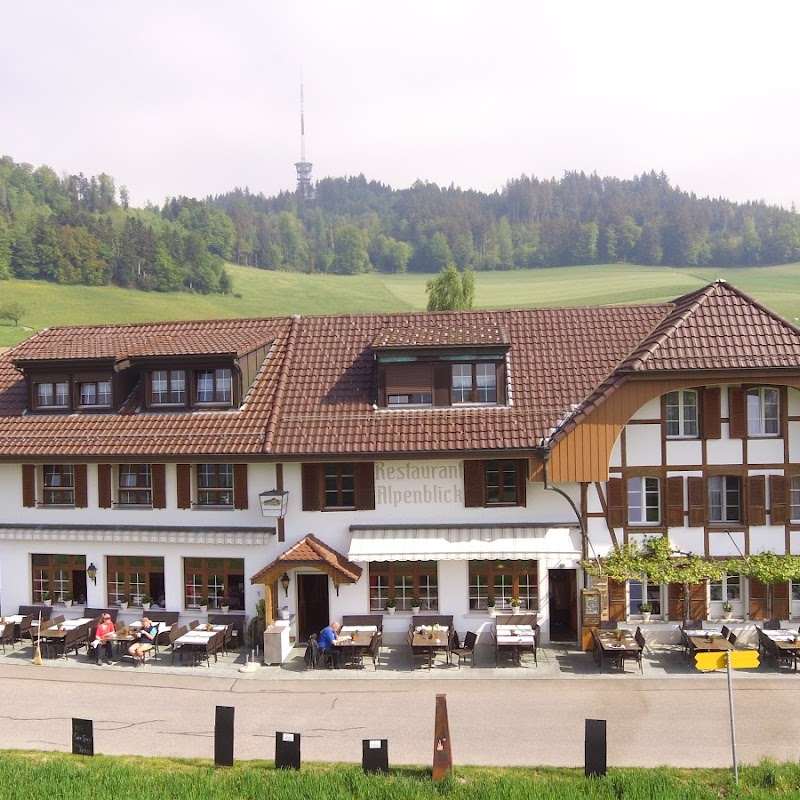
(313, 553)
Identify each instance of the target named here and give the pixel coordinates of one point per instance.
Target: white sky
(197, 97)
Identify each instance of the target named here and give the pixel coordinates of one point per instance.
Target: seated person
(146, 637)
(104, 628)
(326, 640)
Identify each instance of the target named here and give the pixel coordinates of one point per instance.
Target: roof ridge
(280, 388)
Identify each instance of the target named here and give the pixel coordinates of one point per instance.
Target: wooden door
(563, 605)
(313, 613)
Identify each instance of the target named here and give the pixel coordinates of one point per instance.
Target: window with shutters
(495, 482)
(213, 579)
(58, 485)
(129, 578)
(338, 486)
(725, 498)
(681, 409)
(215, 485)
(763, 412)
(403, 582)
(640, 592)
(135, 485)
(644, 501)
(728, 589)
(795, 598)
(794, 498)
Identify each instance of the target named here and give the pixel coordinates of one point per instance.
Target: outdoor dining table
(428, 640)
(787, 641)
(617, 645)
(196, 639)
(354, 640)
(515, 639)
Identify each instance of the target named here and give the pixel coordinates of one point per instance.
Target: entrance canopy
(462, 542)
(310, 552)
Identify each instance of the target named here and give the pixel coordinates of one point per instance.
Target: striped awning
(444, 542)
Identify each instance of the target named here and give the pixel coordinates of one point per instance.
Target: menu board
(82, 737)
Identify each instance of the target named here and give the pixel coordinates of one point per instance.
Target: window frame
(220, 395)
(54, 574)
(65, 485)
(172, 379)
(501, 580)
(645, 505)
(215, 579)
(475, 387)
(340, 472)
(794, 498)
(222, 487)
(142, 486)
(724, 505)
(728, 589)
(506, 468)
(756, 412)
(652, 593)
(403, 581)
(132, 577)
(37, 403)
(682, 421)
(83, 402)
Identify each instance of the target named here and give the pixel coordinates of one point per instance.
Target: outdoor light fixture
(91, 571)
(274, 503)
(285, 583)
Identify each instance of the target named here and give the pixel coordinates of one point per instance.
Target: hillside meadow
(262, 293)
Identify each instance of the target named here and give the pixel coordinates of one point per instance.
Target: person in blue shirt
(145, 639)
(326, 640)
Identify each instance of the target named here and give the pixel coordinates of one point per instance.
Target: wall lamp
(91, 571)
(285, 583)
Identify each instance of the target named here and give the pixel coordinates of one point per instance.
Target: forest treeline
(73, 229)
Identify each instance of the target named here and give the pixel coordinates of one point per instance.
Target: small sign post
(223, 736)
(375, 755)
(82, 737)
(731, 659)
(595, 748)
(442, 755)
(287, 750)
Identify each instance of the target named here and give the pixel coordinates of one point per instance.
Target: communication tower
(303, 167)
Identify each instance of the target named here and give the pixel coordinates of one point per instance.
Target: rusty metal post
(442, 755)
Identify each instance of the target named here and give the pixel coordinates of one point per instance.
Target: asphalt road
(675, 721)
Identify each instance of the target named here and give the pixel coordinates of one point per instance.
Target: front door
(563, 605)
(312, 604)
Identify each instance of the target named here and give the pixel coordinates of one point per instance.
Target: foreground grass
(59, 776)
(259, 293)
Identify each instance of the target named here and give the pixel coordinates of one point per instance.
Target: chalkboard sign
(595, 748)
(287, 750)
(223, 737)
(82, 737)
(375, 755)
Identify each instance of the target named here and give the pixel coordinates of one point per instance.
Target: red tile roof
(310, 552)
(316, 392)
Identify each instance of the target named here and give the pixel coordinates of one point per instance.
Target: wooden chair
(26, 631)
(608, 625)
(641, 641)
(374, 649)
(726, 631)
(36, 610)
(7, 636)
(359, 620)
(732, 637)
(465, 650)
(693, 624)
(193, 624)
(98, 612)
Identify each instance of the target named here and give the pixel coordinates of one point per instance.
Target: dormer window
(96, 393)
(179, 388)
(474, 383)
(52, 395)
(168, 387)
(214, 386)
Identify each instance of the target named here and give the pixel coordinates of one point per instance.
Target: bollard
(287, 750)
(223, 737)
(595, 748)
(375, 755)
(82, 737)
(442, 754)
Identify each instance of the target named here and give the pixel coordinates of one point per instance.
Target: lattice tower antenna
(303, 167)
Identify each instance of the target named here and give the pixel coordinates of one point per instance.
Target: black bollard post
(82, 737)
(287, 750)
(223, 737)
(595, 748)
(375, 755)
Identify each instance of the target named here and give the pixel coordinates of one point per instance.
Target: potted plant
(123, 601)
(47, 599)
(203, 604)
(146, 602)
(416, 605)
(390, 606)
(225, 605)
(647, 610)
(515, 605)
(66, 598)
(727, 610)
(490, 605)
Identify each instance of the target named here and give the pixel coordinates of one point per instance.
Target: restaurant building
(339, 464)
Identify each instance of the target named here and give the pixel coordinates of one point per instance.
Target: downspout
(544, 453)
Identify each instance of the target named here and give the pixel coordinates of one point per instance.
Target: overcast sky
(197, 97)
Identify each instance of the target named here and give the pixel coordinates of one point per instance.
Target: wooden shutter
(157, 473)
(311, 485)
(756, 500)
(695, 488)
(616, 503)
(81, 494)
(28, 486)
(758, 599)
(780, 600)
(522, 482)
(617, 611)
(500, 376)
(441, 385)
(737, 412)
(240, 485)
(104, 485)
(712, 413)
(698, 607)
(474, 484)
(675, 518)
(778, 499)
(365, 485)
(408, 379)
(184, 479)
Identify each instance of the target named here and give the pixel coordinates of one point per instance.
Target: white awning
(442, 542)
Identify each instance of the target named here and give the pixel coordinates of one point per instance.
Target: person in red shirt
(102, 638)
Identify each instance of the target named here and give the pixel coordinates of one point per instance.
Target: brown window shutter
(758, 599)
(159, 486)
(311, 487)
(756, 500)
(408, 379)
(500, 373)
(522, 482)
(616, 503)
(365, 486)
(777, 499)
(675, 518)
(104, 485)
(240, 485)
(616, 601)
(737, 412)
(441, 385)
(712, 413)
(674, 602)
(28, 486)
(474, 484)
(780, 600)
(184, 472)
(81, 495)
(382, 385)
(698, 606)
(696, 490)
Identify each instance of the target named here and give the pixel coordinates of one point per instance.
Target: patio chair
(193, 624)
(771, 625)
(608, 625)
(693, 624)
(726, 631)
(26, 631)
(641, 641)
(312, 654)
(7, 635)
(205, 651)
(465, 650)
(732, 637)
(374, 649)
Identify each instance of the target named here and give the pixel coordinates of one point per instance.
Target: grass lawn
(263, 293)
(60, 776)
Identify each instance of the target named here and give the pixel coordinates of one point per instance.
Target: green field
(262, 293)
(60, 776)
